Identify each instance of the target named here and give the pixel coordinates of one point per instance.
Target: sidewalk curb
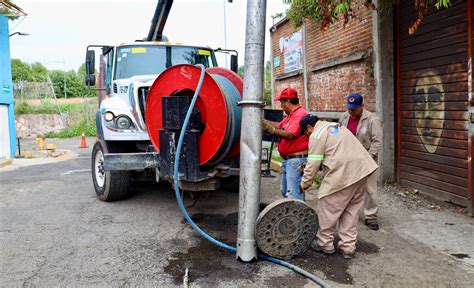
(6, 162)
(276, 166)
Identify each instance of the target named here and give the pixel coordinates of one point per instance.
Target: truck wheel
(108, 185)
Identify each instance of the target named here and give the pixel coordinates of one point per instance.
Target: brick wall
(296, 83)
(339, 40)
(328, 86)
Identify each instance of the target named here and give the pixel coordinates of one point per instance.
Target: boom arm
(159, 20)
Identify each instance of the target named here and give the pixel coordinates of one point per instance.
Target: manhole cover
(286, 228)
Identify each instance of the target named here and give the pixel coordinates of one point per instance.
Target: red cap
(287, 93)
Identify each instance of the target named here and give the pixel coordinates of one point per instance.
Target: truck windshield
(151, 60)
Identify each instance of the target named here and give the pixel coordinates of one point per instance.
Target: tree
(21, 71)
(267, 87)
(39, 73)
(329, 11)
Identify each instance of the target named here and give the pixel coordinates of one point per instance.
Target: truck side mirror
(90, 80)
(90, 68)
(234, 64)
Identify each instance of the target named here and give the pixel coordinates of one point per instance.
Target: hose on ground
(295, 268)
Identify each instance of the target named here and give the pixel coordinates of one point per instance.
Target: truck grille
(142, 96)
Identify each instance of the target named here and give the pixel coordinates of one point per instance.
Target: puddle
(208, 261)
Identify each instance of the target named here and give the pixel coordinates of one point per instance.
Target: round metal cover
(286, 228)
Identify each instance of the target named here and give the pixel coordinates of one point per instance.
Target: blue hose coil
(185, 213)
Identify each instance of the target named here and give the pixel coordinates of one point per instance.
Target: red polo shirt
(292, 124)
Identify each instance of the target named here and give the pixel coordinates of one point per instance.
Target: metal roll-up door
(433, 106)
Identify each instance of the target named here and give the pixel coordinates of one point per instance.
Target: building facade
(420, 86)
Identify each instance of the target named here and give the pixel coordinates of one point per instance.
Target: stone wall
(31, 125)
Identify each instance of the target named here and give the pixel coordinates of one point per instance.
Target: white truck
(126, 72)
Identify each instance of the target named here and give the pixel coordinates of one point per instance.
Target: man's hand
(267, 127)
(302, 190)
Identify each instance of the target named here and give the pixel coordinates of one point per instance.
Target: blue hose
(185, 213)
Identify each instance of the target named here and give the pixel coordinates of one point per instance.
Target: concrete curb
(4, 163)
(276, 166)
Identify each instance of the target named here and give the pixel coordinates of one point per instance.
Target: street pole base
(246, 250)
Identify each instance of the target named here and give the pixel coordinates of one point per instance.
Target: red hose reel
(217, 103)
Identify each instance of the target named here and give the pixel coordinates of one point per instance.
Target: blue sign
(276, 62)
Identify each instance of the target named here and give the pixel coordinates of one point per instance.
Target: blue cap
(307, 120)
(354, 100)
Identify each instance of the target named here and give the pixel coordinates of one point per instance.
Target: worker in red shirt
(293, 147)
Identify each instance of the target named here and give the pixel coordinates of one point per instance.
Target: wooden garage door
(433, 108)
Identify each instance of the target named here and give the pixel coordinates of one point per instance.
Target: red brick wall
(295, 82)
(327, 87)
(339, 40)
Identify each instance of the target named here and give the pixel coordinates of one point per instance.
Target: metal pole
(64, 76)
(272, 77)
(225, 36)
(251, 135)
(305, 68)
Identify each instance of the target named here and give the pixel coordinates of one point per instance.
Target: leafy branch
(327, 12)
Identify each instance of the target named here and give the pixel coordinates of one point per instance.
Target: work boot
(372, 224)
(345, 255)
(317, 248)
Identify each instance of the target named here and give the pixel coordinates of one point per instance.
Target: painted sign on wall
(292, 48)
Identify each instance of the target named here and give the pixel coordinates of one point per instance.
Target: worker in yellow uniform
(347, 166)
(366, 126)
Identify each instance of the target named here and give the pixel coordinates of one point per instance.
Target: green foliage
(75, 131)
(327, 12)
(21, 71)
(22, 107)
(267, 88)
(6, 11)
(240, 71)
(36, 72)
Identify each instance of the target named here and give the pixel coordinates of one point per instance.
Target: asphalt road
(55, 232)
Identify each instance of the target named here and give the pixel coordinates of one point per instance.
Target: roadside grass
(48, 106)
(76, 111)
(75, 130)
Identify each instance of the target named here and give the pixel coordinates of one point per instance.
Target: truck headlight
(109, 116)
(123, 122)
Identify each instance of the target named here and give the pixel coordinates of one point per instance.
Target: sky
(61, 30)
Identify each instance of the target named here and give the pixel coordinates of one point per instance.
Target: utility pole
(251, 136)
(64, 76)
(225, 32)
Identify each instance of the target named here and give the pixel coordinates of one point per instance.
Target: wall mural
(429, 106)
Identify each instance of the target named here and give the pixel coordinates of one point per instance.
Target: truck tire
(108, 185)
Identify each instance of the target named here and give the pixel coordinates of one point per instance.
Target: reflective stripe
(316, 157)
(320, 131)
